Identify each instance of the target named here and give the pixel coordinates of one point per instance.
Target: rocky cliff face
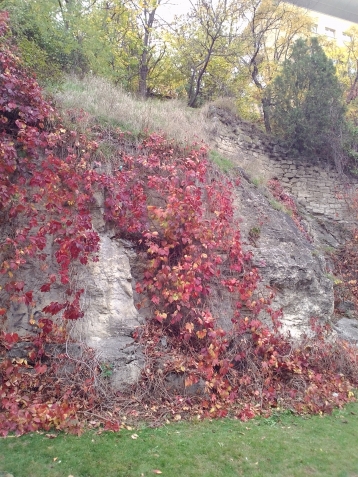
(318, 189)
(288, 263)
(110, 316)
(291, 265)
(294, 267)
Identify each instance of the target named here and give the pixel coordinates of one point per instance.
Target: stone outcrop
(110, 316)
(289, 264)
(348, 329)
(20, 315)
(294, 267)
(317, 186)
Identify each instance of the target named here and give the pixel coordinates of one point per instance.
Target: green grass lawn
(283, 445)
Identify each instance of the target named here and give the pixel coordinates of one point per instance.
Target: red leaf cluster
(45, 187)
(29, 400)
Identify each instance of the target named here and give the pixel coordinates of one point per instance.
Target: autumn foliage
(178, 212)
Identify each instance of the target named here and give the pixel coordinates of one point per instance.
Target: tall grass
(115, 107)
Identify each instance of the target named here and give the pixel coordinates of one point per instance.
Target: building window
(347, 36)
(314, 28)
(330, 32)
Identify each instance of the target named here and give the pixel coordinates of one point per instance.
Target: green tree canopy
(51, 35)
(308, 108)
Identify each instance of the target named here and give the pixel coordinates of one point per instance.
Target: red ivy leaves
(45, 191)
(30, 401)
(179, 213)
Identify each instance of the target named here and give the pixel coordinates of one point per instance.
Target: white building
(332, 17)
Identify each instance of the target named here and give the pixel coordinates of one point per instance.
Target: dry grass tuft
(115, 107)
(227, 104)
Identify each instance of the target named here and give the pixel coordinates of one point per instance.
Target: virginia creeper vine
(177, 211)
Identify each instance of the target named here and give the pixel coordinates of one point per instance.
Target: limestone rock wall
(110, 316)
(294, 267)
(287, 262)
(20, 314)
(316, 186)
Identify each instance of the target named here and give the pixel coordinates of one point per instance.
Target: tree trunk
(266, 111)
(143, 68)
(265, 101)
(353, 90)
(193, 97)
(143, 75)
(196, 88)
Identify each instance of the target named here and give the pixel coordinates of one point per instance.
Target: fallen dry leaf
(156, 471)
(134, 436)
(50, 436)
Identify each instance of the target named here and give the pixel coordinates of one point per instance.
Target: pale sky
(174, 7)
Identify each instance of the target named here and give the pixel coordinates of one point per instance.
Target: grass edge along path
(282, 446)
